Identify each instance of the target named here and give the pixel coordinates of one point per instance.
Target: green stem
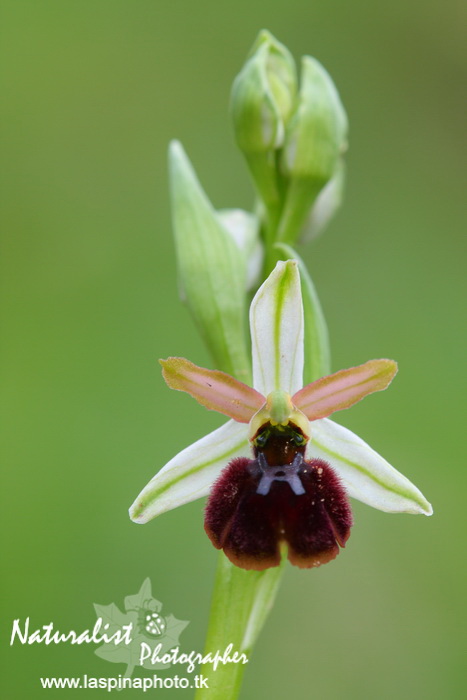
(301, 195)
(263, 169)
(240, 605)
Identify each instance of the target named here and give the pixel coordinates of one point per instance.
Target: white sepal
(364, 473)
(276, 324)
(191, 473)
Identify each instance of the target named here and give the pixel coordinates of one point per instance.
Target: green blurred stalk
(241, 602)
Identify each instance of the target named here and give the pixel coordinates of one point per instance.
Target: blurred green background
(93, 91)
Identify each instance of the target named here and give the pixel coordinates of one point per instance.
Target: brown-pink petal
(344, 388)
(213, 389)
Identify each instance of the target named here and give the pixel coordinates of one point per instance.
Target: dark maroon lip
(278, 497)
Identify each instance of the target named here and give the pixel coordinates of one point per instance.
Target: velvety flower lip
(276, 325)
(251, 524)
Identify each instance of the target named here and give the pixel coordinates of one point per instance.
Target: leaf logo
(144, 613)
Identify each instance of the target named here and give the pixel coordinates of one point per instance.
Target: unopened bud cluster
(292, 133)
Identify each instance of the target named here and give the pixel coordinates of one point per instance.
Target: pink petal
(344, 388)
(213, 389)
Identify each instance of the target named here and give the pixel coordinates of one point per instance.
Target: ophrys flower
(286, 491)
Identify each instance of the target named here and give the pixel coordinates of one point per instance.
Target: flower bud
(212, 268)
(315, 138)
(317, 131)
(263, 95)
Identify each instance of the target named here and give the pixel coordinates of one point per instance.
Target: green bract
(212, 268)
(326, 205)
(244, 229)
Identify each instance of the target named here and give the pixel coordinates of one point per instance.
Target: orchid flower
(279, 471)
